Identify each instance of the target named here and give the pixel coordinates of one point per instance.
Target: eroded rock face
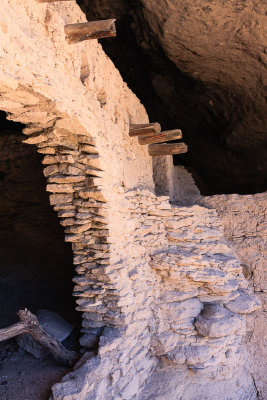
(243, 219)
(199, 66)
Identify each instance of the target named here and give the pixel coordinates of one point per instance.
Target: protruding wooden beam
(164, 136)
(76, 33)
(165, 149)
(144, 129)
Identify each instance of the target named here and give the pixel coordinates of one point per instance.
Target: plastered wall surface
(158, 286)
(174, 181)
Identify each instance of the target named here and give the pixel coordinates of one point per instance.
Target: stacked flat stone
(72, 173)
(196, 271)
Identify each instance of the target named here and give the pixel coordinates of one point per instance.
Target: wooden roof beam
(164, 136)
(76, 33)
(165, 149)
(144, 129)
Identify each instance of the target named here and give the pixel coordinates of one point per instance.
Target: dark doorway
(36, 266)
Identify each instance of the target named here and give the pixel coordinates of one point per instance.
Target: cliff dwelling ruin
(133, 200)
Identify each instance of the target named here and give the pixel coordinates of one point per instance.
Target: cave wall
(199, 66)
(244, 223)
(142, 265)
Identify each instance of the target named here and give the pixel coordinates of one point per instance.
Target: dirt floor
(24, 377)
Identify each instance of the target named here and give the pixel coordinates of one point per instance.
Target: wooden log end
(152, 128)
(76, 33)
(165, 149)
(164, 136)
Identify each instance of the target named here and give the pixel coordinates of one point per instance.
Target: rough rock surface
(145, 270)
(187, 72)
(244, 222)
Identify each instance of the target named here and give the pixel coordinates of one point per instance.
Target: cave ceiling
(199, 66)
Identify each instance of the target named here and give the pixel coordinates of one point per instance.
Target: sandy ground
(23, 377)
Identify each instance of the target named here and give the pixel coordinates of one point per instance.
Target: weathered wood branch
(144, 129)
(164, 149)
(76, 33)
(164, 136)
(30, 324)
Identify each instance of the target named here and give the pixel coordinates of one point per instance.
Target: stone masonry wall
(155, 283)
(243, 221)
(181, 297)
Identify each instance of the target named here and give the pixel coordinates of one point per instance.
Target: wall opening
(36, 265)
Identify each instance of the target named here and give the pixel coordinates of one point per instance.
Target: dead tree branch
(29, 324)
